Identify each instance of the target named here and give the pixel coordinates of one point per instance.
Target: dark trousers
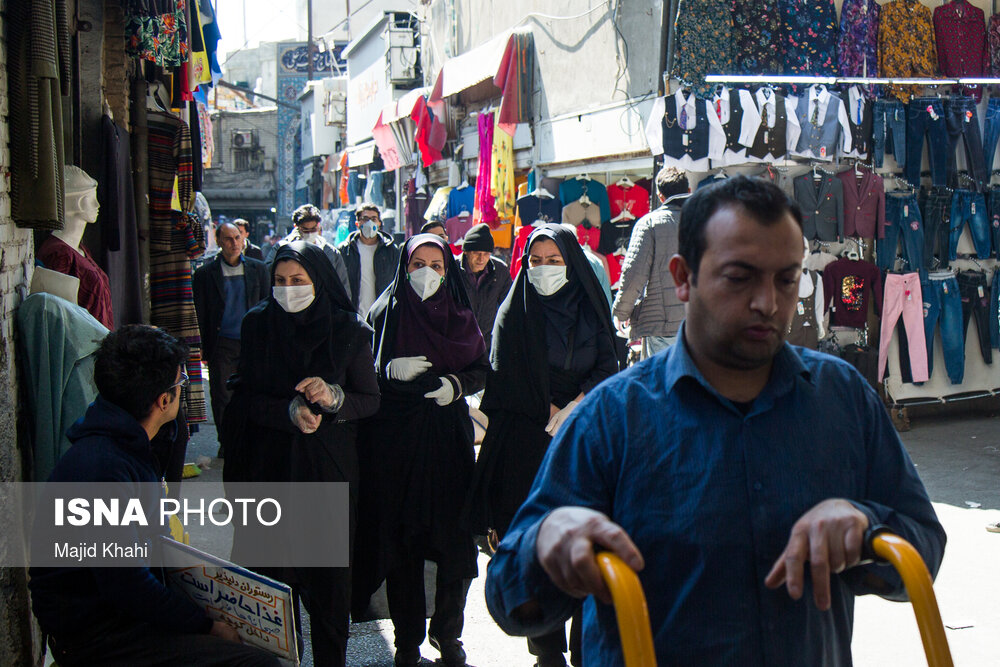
(967, 206)
(993, 204)
(553, 644)
(995, 311)
(926, 116)
(936, 212)
(117, 644)
(902, 218)
(404, 587)
(963, 130)
(991, 132)
(225, 359)
(889, 132)
(975, 293)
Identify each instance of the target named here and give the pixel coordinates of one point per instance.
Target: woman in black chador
(306, 376)
(417, 453)
(552, 343)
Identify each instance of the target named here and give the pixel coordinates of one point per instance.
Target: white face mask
(547, 280)
(369, 229)
(311, 237)
(425, 282)
(295, 298)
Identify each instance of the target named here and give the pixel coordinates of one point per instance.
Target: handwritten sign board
(258, 607)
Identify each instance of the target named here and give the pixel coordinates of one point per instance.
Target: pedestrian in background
(306, 220)
(417, 453)
(224, 290)
(249, 249)
(553, 343)
(370, 256)
(294, 413)
(487, 278)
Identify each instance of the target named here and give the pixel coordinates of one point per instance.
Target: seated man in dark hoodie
(126, 615)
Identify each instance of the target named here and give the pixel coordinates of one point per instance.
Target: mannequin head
(81, 195)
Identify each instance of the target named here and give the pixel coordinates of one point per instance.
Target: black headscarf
(443, 328)
(330, 321)
(533, 332)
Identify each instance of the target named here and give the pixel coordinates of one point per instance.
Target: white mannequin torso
(72, 233)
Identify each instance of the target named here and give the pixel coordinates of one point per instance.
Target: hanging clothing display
(586, 191)
(624, 197)
(903, 298)
(810, 31)
(857, 48)
(704, 32)
(502, 172)
(515, 78)
(95, 290)
(848, 285)
(960, 37)
(485, 209)
(414, 207)
(993, 47)
(757, 37)
(39, 73)
(157, 30)
(778, 131)
(437, 209)
(681, 128)
(806, 327)
(538, 207)
(905, 44)
(172, 301)
(859, 119)
(864, 203)
(822, 200)
(825, 127)
(739, 118)
(462, 198)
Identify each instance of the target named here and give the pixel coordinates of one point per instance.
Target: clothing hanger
(541, 192)
(463, 213)
(816, 175)
(625, 182)
(582, 177)
(624, 215)
(156, 97)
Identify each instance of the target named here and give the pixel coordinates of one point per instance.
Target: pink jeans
(902, 296)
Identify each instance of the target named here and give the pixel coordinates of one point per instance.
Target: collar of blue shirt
(787, 367)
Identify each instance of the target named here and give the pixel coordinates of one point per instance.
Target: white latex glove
(444, 394)
(302, 416)
(559, 417)
(405, 369)
(316, 390)
(622, 326)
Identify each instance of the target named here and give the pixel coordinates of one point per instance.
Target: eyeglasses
(183, 382)
(373, 218)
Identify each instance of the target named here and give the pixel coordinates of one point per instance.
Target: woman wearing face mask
(552, 343)
(417, 453)
(293, 416)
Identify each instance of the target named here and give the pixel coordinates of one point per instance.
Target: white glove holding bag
(558, 418)
(406, 369)
(443, 395)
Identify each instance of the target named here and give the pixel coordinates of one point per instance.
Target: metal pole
(140, 184)
(309, 40)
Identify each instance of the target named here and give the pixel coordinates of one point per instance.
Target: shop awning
(472, 67)
(361, 154)
(404, 122)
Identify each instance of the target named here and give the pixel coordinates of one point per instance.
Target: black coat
(210, 296)
(485, 297)
(253, 251)
(385, 260)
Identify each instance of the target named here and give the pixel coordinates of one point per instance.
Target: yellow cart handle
(920, 589)
(630, 609)
(637, 637)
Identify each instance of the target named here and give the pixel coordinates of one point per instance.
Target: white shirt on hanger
(819, 100)
(716, 135)
(854, 97)
(765, 99)
(719, 106)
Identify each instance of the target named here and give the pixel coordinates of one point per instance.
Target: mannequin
(64, 253)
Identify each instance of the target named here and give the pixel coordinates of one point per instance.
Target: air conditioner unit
(244, 139)
(402, 65)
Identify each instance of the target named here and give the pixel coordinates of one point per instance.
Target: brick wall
(16, 261)
(116, 80)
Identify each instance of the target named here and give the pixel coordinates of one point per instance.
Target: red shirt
(95, 289)
(960, 35)
(634, 199)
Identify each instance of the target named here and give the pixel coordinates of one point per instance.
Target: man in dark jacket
(224, 290)
(126, 615)
(371, 258)
(249, 249)
(487, 279)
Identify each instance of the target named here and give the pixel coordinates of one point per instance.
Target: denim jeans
(889, 131)
(943, 302)
(991, 132)
(969, 207)
(995, 311)
(935, 207)
(976, 300)
(925, 115)
(993, 200)
(963, 129)
(901, 215)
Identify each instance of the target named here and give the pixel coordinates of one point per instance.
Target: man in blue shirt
(723, 470)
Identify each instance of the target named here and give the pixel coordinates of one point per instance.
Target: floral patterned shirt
(858, 45)
(905, 44)
(757, 37)
(704, 42)
(810, 36)
(157, 31)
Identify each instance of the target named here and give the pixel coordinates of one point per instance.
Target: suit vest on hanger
(771, 141)
(821, 139)
(675, 145)
(732, 128)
